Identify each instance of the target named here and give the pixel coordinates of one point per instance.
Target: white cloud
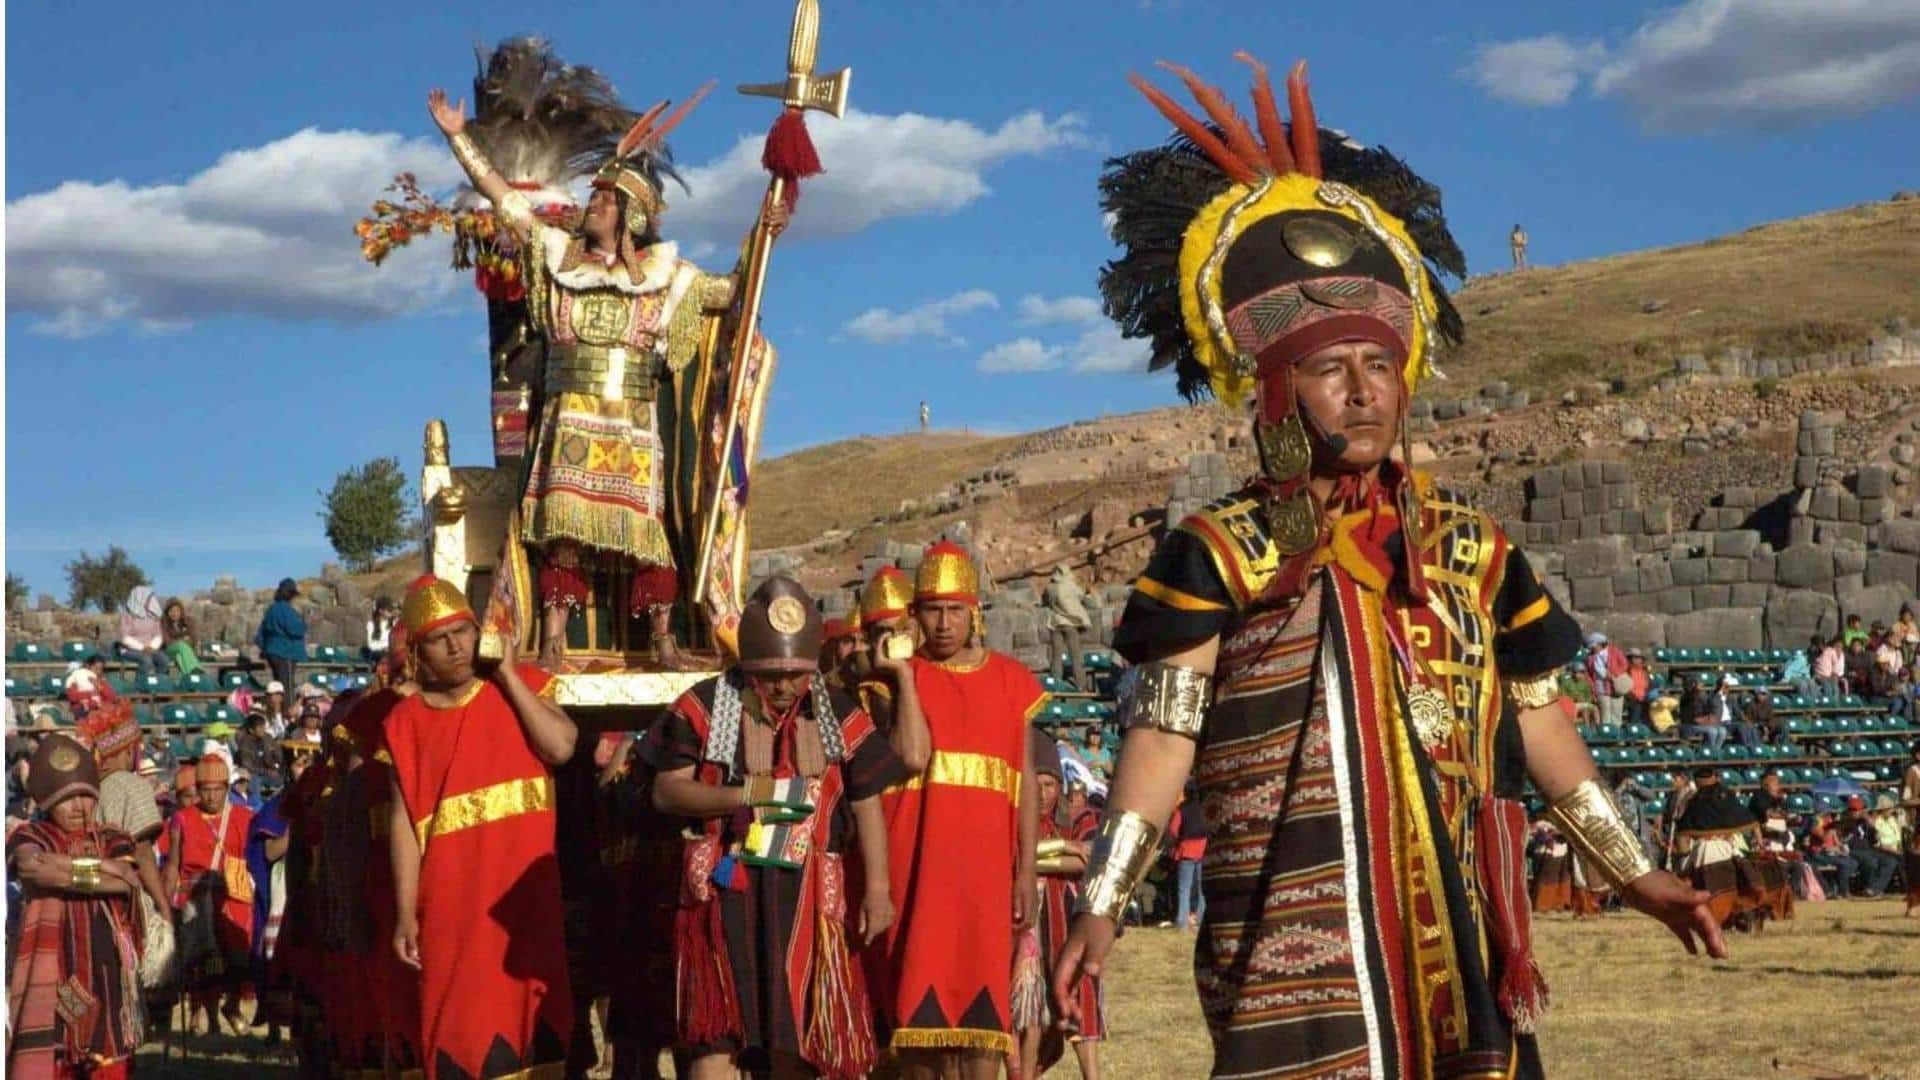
(1102, 349)
(1534, 71)
(883, 326)
(877, 168)
(1040, 311)
(1726, 63)
(1019, 356)
(266, 231)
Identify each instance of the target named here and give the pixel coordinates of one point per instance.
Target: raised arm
(550, 731)
(912, 740)
(451, 119)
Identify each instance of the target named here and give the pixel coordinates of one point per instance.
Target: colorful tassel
(839, 1039)
(789, 154)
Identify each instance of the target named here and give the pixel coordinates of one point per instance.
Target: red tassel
(709, 1007)
(789, 152)
(839, 1037)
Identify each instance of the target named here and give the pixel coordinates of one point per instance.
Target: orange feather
(679, 114)
(1239, 136)
(637, 134)
(1306, 131)
(1267, 110)
(1238, 170)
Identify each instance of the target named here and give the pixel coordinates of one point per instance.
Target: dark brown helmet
(61, 767)
(780, 630)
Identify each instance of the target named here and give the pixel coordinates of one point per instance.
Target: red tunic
(197, 850)
(951, 835)
(494, 996)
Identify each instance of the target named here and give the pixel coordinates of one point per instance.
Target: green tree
(367, 513)
(102, 581)
(16, 590)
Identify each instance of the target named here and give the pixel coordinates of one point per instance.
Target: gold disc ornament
(1432, 717)
(786, 615)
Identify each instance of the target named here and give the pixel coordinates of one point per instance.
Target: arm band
(467, 153)
(86, 874)
(1121, 854)
(1168, 698)
(1535, 693)
(1590, 820)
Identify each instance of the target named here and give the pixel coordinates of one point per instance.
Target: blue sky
(193, 351)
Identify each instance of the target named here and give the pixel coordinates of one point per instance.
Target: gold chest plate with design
(602, 318)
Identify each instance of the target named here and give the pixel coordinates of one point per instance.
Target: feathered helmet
(641, 161)
(1245, 252)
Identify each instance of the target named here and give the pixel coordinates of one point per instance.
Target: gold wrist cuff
(1121, 854)
(1168, 698)
(468, 154)
(1590, 821)
(86, 873)
(1050, 848)
(1535, 693)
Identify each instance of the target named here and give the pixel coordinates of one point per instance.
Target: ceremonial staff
(788, 156)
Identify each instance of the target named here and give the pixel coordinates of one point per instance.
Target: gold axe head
(803, 89)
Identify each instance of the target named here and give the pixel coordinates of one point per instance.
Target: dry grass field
(846, 484)
(1833, 994)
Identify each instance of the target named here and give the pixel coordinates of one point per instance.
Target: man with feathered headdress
(1356, 666)
(962, 832)
(630, 330)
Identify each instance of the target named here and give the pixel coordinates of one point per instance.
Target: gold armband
(1535, 693)
(1122, 852)
(1589, 819)
(1168, 698)
(1050, 856)
(86, 874)
(467, 153)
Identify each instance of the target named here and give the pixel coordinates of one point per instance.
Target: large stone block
(1593, 501)
(1544, 483)
(1760, 565)
(1572, 505)
(1803, 566)
(1614, 472)
(1875, 603)
(1748, 594)
(1592, 474)
(1795, 616)
(1876, 510)
(1718, 628)
(1902, 535)
(1726, 571)
(1626, 583)
(1601, 556)
(1872, 482)
(1659, 515)
(1592, 593)
(1849, 507)
(1629, 629)
(1891, 568)
(1622, 496)
(1711, 596)
(1544, 509)
(1572, 477)
(1806, 471)
(1826, 503)
(1800, 530)
(1849, 559)
(1655, 576)
(1689, 572)
(1734, 544)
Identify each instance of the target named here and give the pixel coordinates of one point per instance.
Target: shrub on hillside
(102, 582)
(367, 513)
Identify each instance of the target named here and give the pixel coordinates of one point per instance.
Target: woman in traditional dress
(623, 316)
(73, 999)
(177, 630)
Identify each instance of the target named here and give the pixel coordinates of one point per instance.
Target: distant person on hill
(283, 633)
(140, 637)
(1066, 607)
(926, 417)
(1829, 667)
(1517, 240)
(177, 629)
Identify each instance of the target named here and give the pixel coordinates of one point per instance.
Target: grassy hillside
(846, 484)
(1785, 288)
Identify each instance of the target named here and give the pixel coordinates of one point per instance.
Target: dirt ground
(1830, 995)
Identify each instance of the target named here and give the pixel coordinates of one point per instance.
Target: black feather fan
(1152, 195)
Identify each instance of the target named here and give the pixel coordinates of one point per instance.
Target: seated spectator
(1876, 867)
(1098, 757)
(1826, 848)
(1886, 827)
(141, 639)
(254, 749)
(177, 629)
(1883, 691)
(87, 686)
(1886, 653)
(1854, 632)
(1797, 672)
(1762, 719)
(1660, 713)
(1717, 716)
(1769, 808)
(1829, 668)
(1859, 664)
(279, 717)
(1906, 634)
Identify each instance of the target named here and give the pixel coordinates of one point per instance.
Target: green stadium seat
(233, 680)
(1800, 803)
(143, 714)
(16, 688)
(32, 652)
(1662, 655)
(178, 715)
(222, 713)
(1886, 773)
(321, 679)
(197, 682)
(53, 685)
(149, 684)
(76, 649)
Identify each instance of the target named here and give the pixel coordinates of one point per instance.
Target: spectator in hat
(276, 708)
(141, 639)
(283, 633)
(1640, 686)
(1876, 867)
(1604, 665)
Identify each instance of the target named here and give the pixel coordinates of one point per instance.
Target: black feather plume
(1153, 195)
(539, 120)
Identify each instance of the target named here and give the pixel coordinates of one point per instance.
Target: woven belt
(606, 371)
